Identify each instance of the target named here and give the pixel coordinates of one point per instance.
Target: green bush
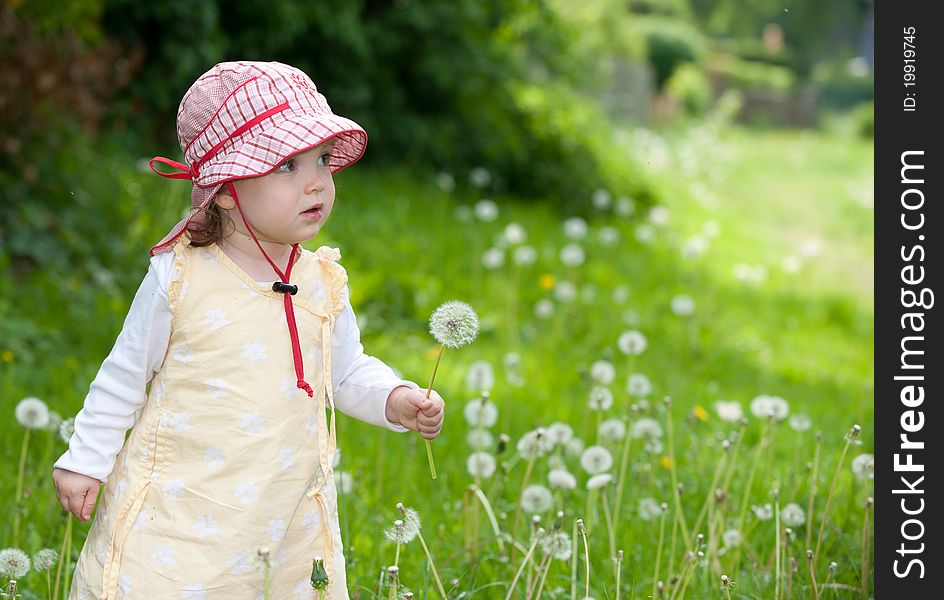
(671, 42)
(839, 87)
(690, 86)
(863, 116)
(743, 74)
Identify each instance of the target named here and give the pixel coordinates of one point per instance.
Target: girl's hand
(412, 409)
(76, 493)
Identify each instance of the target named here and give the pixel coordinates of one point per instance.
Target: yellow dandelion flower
(546, 282)
(8, 356)
(666, 462)
(700, 413)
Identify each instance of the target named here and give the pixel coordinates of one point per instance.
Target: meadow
(690, 379)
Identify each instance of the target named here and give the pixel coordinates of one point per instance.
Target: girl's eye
(323, 159)
(288, 166)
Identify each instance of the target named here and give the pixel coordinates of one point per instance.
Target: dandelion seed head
(559, 433)
(731, 538)
(683, 305)
(608, 236)
(572, 255)
(565, 291)
(32, 413)
(536, 499)
(543, 308)
(612, 430)
(66, 429)
(445, 181)
(524, 256)
(493, 258)
(793, 515)
(863, 466)
(400, 533)
(729, 411)
(44, 559)
(602, 372)
(534, 443)
(574, 447)
(481, 464)
(561, 479)
(480, 177)
(800, 423)
(646, 427)
(775, 407)
(575, 228)
(515, 234)
(485, 210)
(14, 563)
(601, 199)
(598, 481)
(649, 509)
(601, 398)
(480, 413)
(557, 545)
(480, 438)
(454, 324)
(638, 385)
(596, 459)
(764, 512)
(632, 342)
(480, 376)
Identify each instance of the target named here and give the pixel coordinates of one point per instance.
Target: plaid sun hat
(243, 119)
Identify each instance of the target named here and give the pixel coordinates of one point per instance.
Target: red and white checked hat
(243, 119)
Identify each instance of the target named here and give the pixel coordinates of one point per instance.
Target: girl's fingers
(75, 505)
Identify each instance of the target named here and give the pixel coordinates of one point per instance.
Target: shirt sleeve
(119, 388)
(361, 383)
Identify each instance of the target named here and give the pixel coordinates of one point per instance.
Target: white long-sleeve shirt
(361, 383)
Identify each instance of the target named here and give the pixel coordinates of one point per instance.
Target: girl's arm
(361, 383)
(119, 388)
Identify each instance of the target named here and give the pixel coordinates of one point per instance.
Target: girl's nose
(316, 182)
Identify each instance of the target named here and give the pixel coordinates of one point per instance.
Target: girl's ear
(224, 200)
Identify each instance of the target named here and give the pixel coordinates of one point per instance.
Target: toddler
(233, 449)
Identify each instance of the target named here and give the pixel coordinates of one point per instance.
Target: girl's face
(289, 205)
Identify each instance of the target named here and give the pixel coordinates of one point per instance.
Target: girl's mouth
(312, 213)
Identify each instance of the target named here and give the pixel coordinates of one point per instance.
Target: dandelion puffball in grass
(493, 258)
(608, 236)
(559, 433)
(543, 309)
(344, 482)
(800, 423)
(536, 499)
(572, 255)
(645, 234)
(646, 428)
(557, 545)
(480, 464)
(612, 430)
(864, 466)
(480, 177)
(524, 256)
(411, 520)
(66, 429)
(534, 443)
(602, 372)
(399, 533)
(480, 376)
(601, 199)
(730, 411)
(764, 513)
(620, 294)
(631, 342)
(638, 385)
(731, 538)
(454, 324)
(480, 438)
(624, 206)
(565, 291)
(694, 247)
(793, 515)
(601, 398)
(55, 420)
(790, 264)
(683, 305)
(14, 563)
(596, 459)
(561, 479)
(598, 481)
(574, 447)
(445, 181)
(764, 406)
(575, 228)
(44, 559)
(653, 446)
(480, 413)
(649, 509)
(485, 210)
(32, 413)
(588, 293)
(659, 215)
(515, 234)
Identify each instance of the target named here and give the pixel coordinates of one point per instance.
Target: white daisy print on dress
(276, 529)
(207, 526)
(252, 423)
(310, 521)
(286, 458)
(238, 563)
(247, 492)
(193, 591)
(141, 520)
(280, 559)
(124, 587)
(209, 256)
(303, 590)
(216, 318)
(120, 487)
(163, 555)
(213, 457)
(217, 387)
(254, 352)
(290, 390)
(183, 353)
(180, 421)
(174, 488)
(312, 425)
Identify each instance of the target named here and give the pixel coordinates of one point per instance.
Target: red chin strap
(288, 290)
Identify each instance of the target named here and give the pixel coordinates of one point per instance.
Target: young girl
(232, 450)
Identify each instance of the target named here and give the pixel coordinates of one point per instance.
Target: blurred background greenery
(750, 118)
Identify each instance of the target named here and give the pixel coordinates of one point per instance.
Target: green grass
(804, 336)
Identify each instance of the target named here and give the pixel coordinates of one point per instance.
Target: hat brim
(262, 153)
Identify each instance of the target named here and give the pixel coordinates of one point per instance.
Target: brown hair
(212, 231)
